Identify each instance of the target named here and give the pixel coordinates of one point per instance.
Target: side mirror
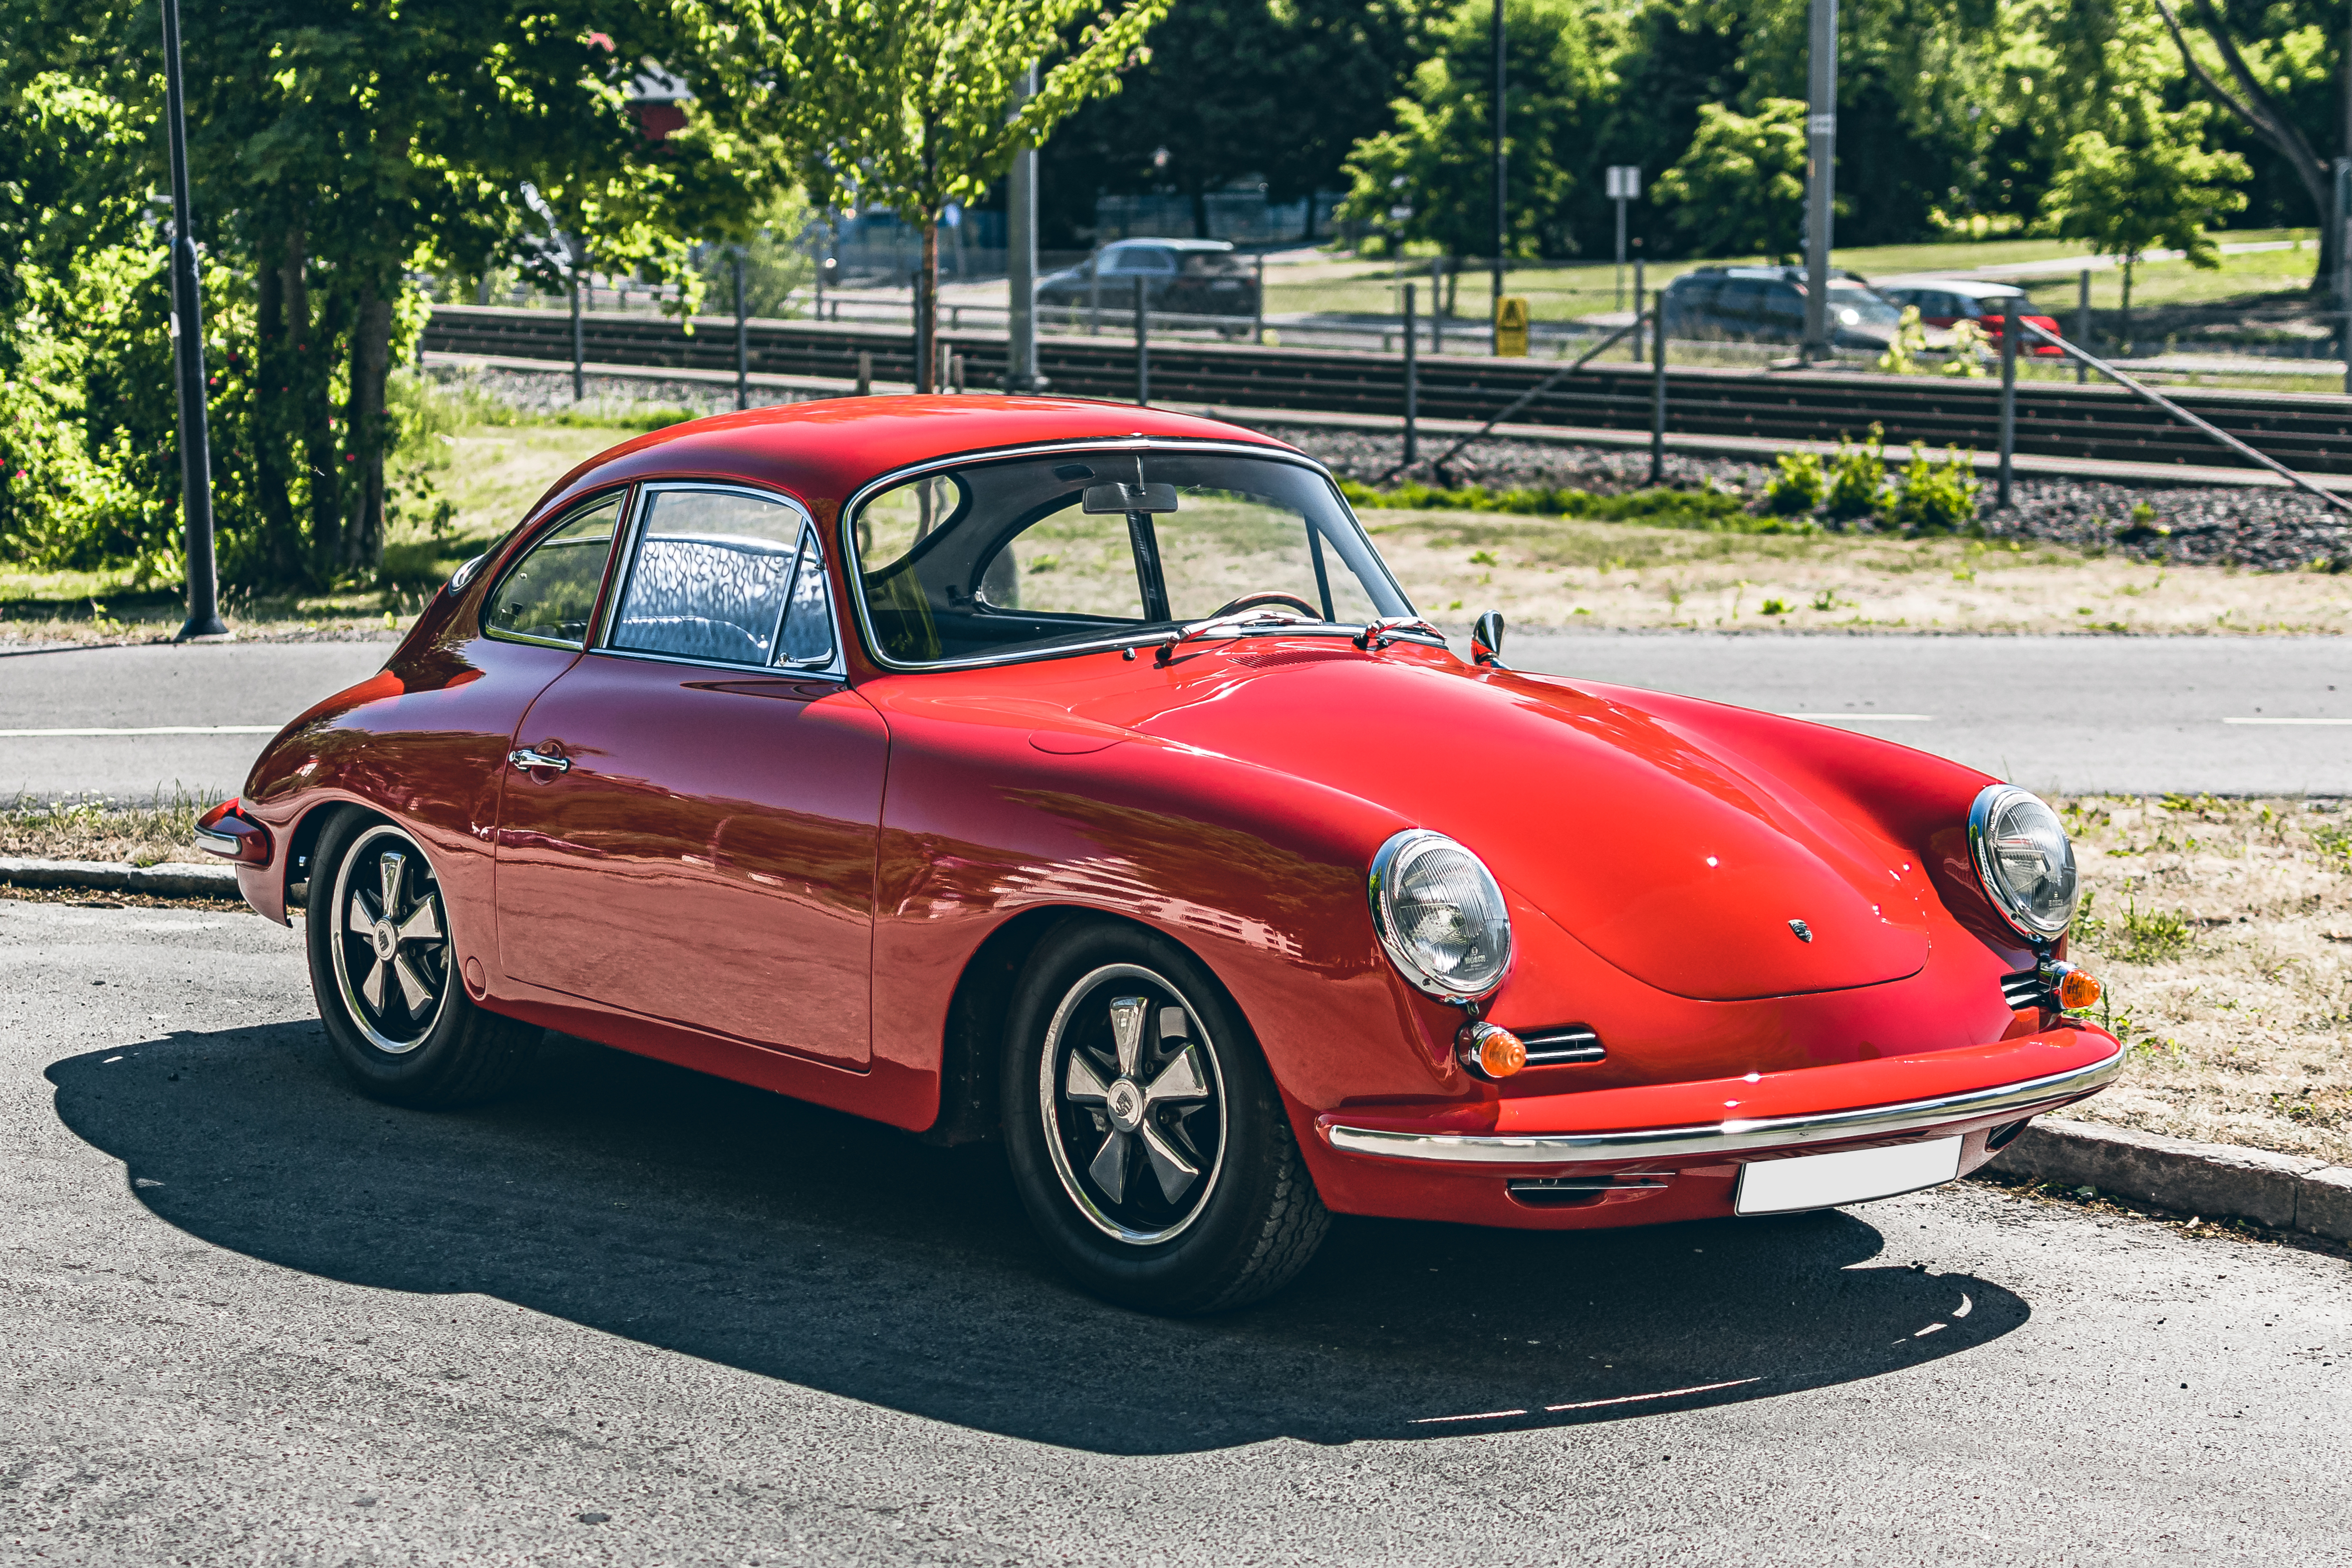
(1486, 640)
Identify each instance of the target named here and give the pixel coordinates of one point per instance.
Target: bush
(1910, 337)
(1857, 474)
(1935, 499)
(1968, 343)
(1797, 487)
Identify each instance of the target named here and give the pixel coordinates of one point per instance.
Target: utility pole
(188, 343)
(2344, 257)
(1820, 176)
(1502, 163)
(742, 338)
(1021, 264)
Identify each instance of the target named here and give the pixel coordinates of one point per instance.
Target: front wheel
(1146, 1139)
(383, 969)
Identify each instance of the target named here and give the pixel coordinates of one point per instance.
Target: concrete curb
(173, 881)
(2285, 1192)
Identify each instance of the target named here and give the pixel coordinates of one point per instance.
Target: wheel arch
(303, 842)
(982, 998)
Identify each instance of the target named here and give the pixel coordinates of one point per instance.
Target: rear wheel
(383, 969)
(1146, 1139)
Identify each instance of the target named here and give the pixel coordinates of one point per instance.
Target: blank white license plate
(1849, 1176)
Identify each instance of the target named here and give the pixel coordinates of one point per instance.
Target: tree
(909, 104)
(1221, 98)
(1741, 188)
(1442, 146)
(334, 151)
(2262, 107)
(2142, 181)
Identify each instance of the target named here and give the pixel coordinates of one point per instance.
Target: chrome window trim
(853, 569)
(1728, 1137)
(834, 669)
(533, 536)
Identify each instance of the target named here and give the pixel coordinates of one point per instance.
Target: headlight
(1440, 915)
(2024, 857)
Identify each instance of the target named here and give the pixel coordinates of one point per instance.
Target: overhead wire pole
(1820, 176)
(1502, 163)
(188, 346)
(1021, 265)
(742, 338)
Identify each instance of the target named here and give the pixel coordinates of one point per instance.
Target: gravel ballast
(2262, 527)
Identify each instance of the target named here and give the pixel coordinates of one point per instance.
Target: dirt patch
(1558, 573)
(2222, 930)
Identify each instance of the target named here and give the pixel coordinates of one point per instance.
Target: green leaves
(1741, 188)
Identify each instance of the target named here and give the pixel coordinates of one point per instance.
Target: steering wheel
(1252, 601)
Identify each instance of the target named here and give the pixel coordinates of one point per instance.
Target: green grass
(1564, 290)
(1713, 510)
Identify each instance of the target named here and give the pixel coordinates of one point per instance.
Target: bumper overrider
(1584, 1148)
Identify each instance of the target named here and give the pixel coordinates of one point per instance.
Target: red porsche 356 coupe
(1077, 777)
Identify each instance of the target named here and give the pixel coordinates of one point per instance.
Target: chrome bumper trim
(1725, 1137)
(227, 846)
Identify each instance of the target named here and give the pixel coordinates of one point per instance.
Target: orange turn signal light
(2077, 990)
(1491, 1051)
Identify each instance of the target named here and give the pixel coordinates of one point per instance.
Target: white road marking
(1865, 718)
(152, 729)
(2259, 719)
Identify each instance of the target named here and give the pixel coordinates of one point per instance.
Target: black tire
(1109, 1007)
(374, 955)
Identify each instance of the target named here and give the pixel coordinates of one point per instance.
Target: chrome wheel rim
(389, 940)
(1133, 1104)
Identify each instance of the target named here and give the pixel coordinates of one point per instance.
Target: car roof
(1172, 243)
(1974, 287)
(821, 451)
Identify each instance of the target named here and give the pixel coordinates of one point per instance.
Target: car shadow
(721, 1222)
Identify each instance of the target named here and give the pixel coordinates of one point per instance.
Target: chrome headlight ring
(1439, 916)
(2013, 837)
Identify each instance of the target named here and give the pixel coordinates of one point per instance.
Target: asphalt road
(2056, 715)
(242, 693)
(633, 1316)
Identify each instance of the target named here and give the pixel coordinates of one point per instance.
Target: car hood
(1672, 859)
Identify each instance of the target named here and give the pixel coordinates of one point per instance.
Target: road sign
(1511, 327)
(1624, 181)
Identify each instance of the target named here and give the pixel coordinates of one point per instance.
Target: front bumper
(1646, 1153)
(1734, 1135)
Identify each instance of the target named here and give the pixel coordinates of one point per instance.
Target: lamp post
(188, 343)
(1820, 176)
(1021, 264)
(1502, 163)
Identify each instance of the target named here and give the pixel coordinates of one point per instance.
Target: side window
(549, 594)
(714, 574)
(1736, 306)
(1783, 302)
(807, 637)
(1159, 263)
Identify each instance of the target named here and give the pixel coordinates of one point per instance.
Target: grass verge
(2222, 930)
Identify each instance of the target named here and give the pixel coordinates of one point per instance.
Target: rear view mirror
(1115, 497)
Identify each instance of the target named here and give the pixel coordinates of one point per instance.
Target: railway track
(2304, 431)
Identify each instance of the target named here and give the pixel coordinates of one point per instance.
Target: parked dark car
(1947, 301)
(1767, 305)
(1180, 277)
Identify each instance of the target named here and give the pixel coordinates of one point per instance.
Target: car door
(689, 826)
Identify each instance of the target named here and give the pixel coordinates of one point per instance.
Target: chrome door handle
(527, 758)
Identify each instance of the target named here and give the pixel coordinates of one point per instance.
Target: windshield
(1855, 306)
(1035, 555)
